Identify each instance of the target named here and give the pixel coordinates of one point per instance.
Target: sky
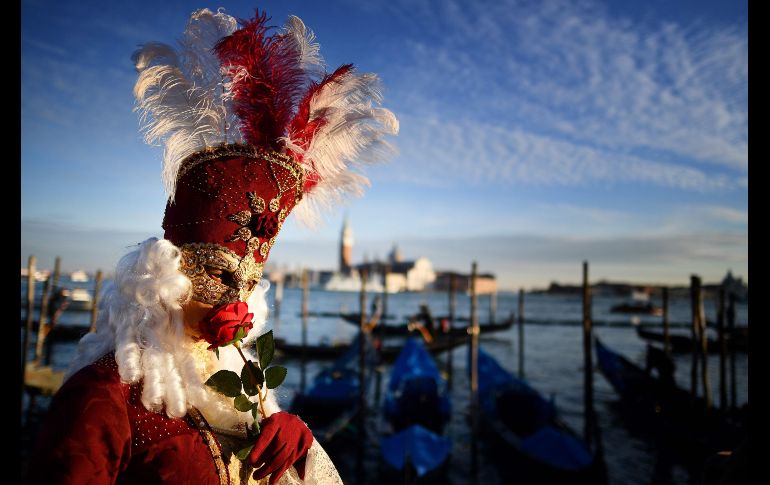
(533, 135)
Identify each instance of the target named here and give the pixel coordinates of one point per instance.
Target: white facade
(420, 275)
(396, 282)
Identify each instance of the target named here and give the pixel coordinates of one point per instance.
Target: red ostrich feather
(267, 80)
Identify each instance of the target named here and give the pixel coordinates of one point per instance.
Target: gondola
(519, 420)
(316, 352)
(417, 407)
(386, 352)
(439, 329)
(651, 403)
(333, 399)
(638, 308)
(683, 343)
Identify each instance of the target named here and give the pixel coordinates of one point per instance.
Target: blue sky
(534, 135)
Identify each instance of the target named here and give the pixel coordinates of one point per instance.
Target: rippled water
(553, 365)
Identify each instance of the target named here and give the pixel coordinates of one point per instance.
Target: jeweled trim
(250, 151)
(200, 423)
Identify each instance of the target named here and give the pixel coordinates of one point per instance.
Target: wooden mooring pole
(42, 320)
(731, 349)
(452, 303)
(28, 326)
(95, 304)
(704, 350)
(474, 350)
(278, 296)
(722, 350)
(362, 382)
(54, 287)
(588, 382)
(694, 292)
(385, 273)
(666, 336)
(521, 333)
(305, 310)
(492, 306)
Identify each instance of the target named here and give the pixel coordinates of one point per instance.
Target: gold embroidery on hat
(241, 218)
(240, 150)
(256, 203)
(242, 234)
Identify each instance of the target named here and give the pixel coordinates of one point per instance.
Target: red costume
(97, 431)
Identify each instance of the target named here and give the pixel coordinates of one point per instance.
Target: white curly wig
(140, 318)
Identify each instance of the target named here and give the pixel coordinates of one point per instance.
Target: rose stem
(253, 380)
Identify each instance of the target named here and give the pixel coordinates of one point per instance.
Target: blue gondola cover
(557, 449)
(423, 448)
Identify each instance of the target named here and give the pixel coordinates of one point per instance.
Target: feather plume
(337, 131)
(265, 80)
(230, 85)
(308, 51)
(180, 94)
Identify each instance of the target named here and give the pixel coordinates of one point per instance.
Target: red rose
(220, 326)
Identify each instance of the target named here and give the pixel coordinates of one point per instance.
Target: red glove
(282, 442)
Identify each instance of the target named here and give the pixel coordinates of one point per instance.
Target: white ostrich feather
(182, 99)
(354, 133)
(308, 51)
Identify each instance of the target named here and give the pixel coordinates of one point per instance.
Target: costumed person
(253, 129)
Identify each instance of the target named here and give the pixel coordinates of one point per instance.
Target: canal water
(553, 364)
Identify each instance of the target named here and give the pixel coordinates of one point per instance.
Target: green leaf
(274, 376)
(216, 351)
(242, 403)
(248, 385)
(243, 453)
(265, 349)
(225, 382)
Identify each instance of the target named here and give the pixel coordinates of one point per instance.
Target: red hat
(253, 128)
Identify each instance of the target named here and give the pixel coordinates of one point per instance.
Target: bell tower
(346, 248)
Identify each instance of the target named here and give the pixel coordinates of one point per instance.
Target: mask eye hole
(220, 275)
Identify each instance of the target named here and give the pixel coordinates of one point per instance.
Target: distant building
(417, 275)
(485, 283)
(735, 286)
(346, 248)
(395, 255)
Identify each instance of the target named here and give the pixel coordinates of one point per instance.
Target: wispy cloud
(727, 214)
(471, 151)
(70, 93)
(562, 92)
(704, 217)
(44, 46)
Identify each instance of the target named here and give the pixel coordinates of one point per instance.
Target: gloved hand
(283, 441)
